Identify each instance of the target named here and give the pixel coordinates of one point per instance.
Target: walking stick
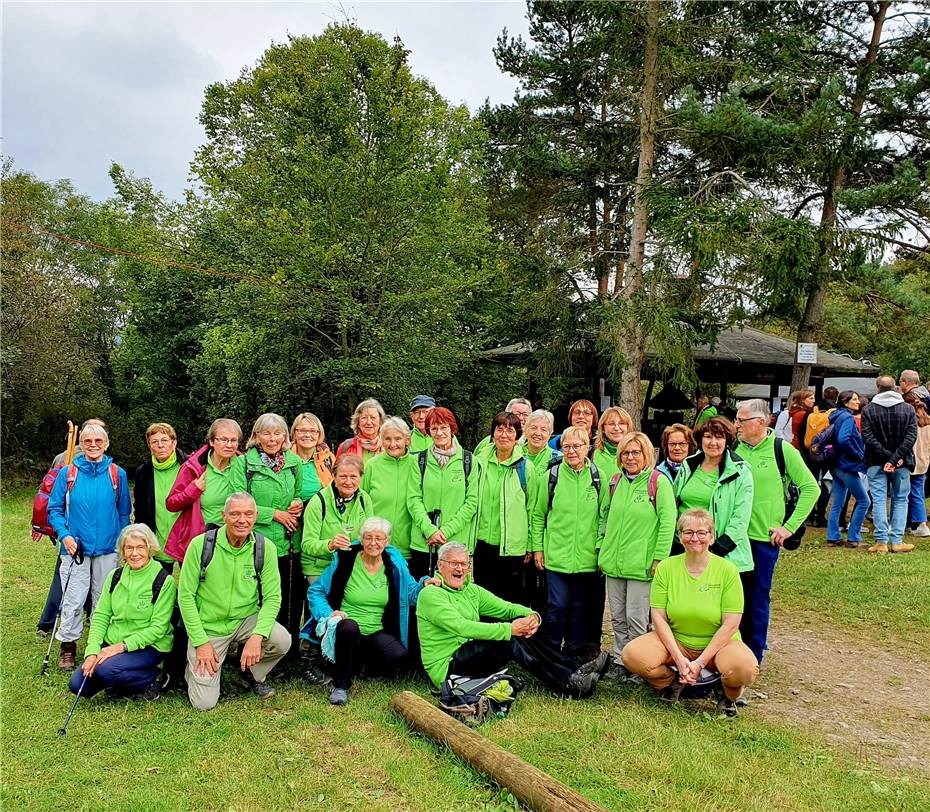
(63, 730)
(436, 518)
(78, 558)
(289, 535)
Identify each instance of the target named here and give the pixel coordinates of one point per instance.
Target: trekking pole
(289, 535)
(436, 518)
(63, 730)
(78, 558)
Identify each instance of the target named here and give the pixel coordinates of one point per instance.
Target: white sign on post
(807, 353)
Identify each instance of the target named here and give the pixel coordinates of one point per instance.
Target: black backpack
(465, 698)
(554, 480)
(258, 558)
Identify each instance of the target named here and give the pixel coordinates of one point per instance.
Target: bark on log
(529, 785)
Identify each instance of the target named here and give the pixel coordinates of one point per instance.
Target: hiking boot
(834, 542)
(879, 547)
(583, 684)
(339, 696)
(727, 708)
(672, 693)
(615, 673)
(67, 657)
(742, 701)
(261, 689)
(152, 693)
(901, 548)
(921, 531)
(596, 666)
(852, 545)
(311, 671)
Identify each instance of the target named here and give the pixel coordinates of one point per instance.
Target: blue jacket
(326, 593)
(847, 440)
(96, 515)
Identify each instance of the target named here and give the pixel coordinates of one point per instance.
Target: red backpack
(40, 525)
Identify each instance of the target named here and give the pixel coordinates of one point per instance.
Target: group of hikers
(402, 551)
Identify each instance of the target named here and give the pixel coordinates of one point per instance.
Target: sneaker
(921, 531)
(901, 548)
(852, 545)
(583, 684)
(672, 693)
(834, 542)
(152, 693)
(742, 701)
(596, 666)
(615, 673)
(261, 689)
(879, 547)
(339, 696)
(727, 708)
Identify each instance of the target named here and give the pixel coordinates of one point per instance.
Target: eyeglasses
(443, 427)
(677, 445)
(695, 534)
(574, 447)
(226, 440)
(583, 412)
(307, 431)
(747, 419)
(454, 565)
(631, 453)
(505, 430)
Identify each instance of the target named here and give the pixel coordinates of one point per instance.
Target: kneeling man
(231, 595)
(454, 639)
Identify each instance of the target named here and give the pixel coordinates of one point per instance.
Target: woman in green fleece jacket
(614, 424)
(387, 481)
(639, 523)
(507, 494)
(130, 632)
(272, 473)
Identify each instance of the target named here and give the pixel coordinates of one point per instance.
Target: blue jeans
(917, 508)
(900, 490)
(568, 609)
(128, 673)
(844, 481)
(757, 598)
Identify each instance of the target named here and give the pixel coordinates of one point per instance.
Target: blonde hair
(313, 420)
(695, 515)
(645, 445)
(137, 531)
(160, 428)
(576, 433)
(613, 411)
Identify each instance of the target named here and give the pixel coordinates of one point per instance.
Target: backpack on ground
(823, 448)
(474, 700)
(792, 495)
(40, 523)
(653, 485)
(258, 557)
(815, 423)
(554, 480)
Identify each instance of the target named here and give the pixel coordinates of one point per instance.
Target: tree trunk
(813, 308)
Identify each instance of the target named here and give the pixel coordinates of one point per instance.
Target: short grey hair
(95, 430)
(542, 414)
(521, 401)
(451, 547)
(375, 524)
(369, 403)
(269, 420)
(239, 496)
(396, 423)
(911, 376)
(137, 531)
(756, 407)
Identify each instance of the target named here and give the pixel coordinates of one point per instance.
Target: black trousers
(535, 589)
(594, 617)
(500, 574)
(568, 611)
(480, 658)
(381, 653)
(419, 563)
(293, 597)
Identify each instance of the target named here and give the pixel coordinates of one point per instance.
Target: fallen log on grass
(529, 785)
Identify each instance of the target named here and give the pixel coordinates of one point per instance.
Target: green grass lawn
(622, 749)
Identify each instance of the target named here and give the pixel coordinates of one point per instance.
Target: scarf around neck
(275, 463)
(443, 457)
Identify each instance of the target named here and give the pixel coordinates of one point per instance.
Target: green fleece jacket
(541, 459)
(730, 503)
(128, 615)
(606, 461)
(504, 509)
(419, 442)
(444, 489)
(387, 481)
(768, 495)
(635, 532)
(567, 533)
(271, 491)
(228, 594)
(448, 618)
(319, 529)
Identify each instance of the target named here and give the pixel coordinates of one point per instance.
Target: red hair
(441, 416)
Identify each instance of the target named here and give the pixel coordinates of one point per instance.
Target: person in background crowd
(153, 482)
(769, 527)
(614, 424)
(582, 413)
(387, 480)
(231, 603)
(909, 381)
(443, 494)
(468, 631)
(800, 406)
(419, 408)
(889, 429)
(639, 525)
(521, 408)
(697, 606)
(367, 592)
(718, 481)
(565, 535)
(676, 444)
(706, 409)
(130, 632)
(782, 425)
(829, 400)
(308, 442)
(271, 473)
(202, 486)
(366, 431)
(87, 516)
(539, 428)
(507, 494)
(917, 507)
(848, 472)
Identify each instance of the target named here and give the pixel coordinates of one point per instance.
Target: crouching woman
(697, 603)
(130, 632)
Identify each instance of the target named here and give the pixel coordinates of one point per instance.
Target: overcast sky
(85, 84)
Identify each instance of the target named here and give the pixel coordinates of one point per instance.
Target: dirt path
(870, 702)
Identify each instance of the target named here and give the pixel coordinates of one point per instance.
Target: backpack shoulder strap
(553, 481)
(654, 486)
(614, 481)
(521, 473)
(258, 559)
(206, 554)
(114, 477)
(466, 464)
(596, 479)
(72, 476)
(322, 505)
(780, 456)
(117, 574)
(158, 583)
(421, 463)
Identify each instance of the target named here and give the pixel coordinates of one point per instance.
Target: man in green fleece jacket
(454, 639)
(223, 607)
(769, 528)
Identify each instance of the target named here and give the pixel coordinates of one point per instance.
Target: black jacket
(889, 429)
(143, 492)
